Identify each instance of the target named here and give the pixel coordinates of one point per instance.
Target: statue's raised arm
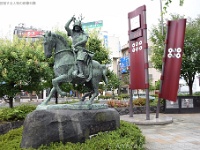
(69, 31)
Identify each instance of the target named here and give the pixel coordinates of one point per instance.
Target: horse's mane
(62, 39)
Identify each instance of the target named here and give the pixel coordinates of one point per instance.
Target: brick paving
(182, 134)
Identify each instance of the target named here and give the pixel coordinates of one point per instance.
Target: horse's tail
(105, 71)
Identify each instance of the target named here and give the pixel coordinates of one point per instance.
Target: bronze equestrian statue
(65, 68)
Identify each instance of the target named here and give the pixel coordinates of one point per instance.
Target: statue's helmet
(77, 23)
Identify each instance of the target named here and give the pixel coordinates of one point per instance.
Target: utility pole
(161, 14)
(162, 28)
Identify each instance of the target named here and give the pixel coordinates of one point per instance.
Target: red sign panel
(137, 65)
(137, 48)
(172, 59)
(32, 33)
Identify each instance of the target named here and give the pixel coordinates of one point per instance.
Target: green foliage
(191, 57)
(139, 101)
(17, 113)
(113, 81)
(125, 79)
(183, 94)
(151, 86)
(95, 45)
(11, 140)
(105, 97)
(196, 94)
(155, 102)
(22, 66)
(127, 137)
(157, 85)
(123, 96)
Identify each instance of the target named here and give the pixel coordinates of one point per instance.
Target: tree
(22, 66)
(95, 45)
(191, 57)
(40, 73)
(191, 54)
(113, 82)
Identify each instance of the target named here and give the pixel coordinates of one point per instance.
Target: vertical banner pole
(163, 67)
(146, 69)
(131, 104)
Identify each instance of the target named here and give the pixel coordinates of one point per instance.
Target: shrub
(11, 140)
(127, 137)
(139, 101)
(196, 94)
(117, 103)
(123, 96)
(104, 97)
(16, 113)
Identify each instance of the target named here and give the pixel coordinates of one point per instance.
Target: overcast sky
(114, 13)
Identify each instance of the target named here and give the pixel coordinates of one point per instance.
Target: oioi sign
(172, 59)
(174, 53)
(138, 48)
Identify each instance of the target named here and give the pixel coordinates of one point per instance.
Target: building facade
(23, 32)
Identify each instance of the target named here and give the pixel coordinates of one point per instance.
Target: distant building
(114, 47)
(28, 32)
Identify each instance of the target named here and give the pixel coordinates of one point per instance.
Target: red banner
(172, 59)
(137, 48)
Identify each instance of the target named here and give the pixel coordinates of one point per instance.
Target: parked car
(136, 96)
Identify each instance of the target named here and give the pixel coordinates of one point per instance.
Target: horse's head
(54, 41)
(49, 43)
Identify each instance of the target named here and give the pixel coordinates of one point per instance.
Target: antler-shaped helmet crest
(78, 22)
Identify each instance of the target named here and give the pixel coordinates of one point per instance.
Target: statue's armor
(81, 55)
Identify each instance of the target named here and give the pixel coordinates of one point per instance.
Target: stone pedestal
(46, 126)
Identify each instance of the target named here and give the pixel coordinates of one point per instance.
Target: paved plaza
(182, 134)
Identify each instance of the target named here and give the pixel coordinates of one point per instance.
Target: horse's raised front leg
(49, 96)
(56, 81)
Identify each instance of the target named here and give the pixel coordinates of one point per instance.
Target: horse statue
(65, 68)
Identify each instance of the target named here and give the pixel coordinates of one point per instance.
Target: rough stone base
(46, 126)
